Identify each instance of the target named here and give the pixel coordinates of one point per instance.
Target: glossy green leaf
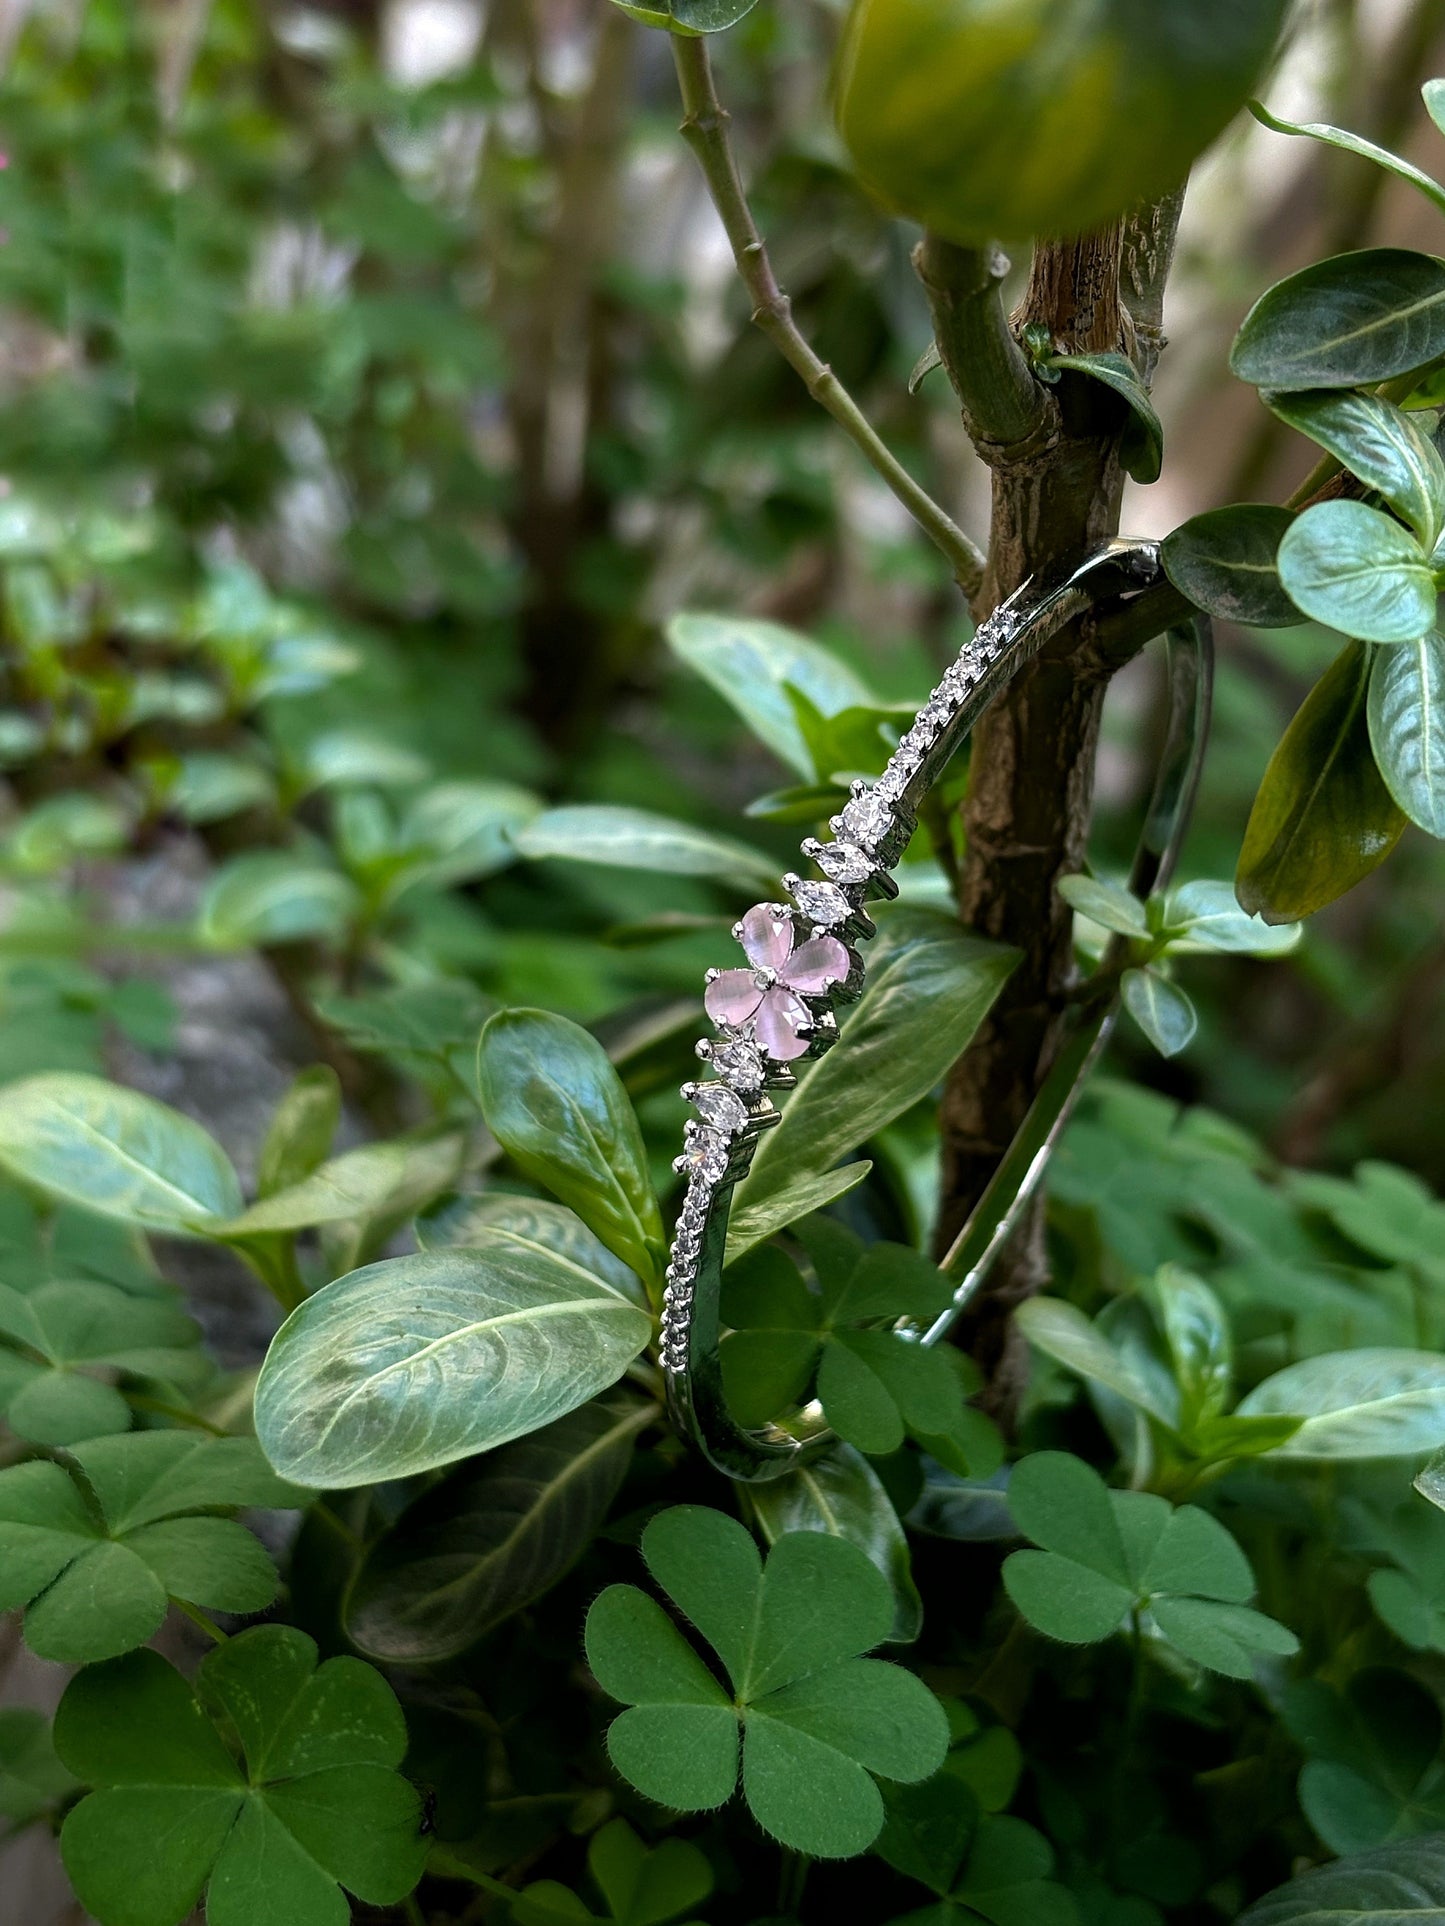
(841, 1494)
(1160, 1008)
(637, 839)
(1062, 1332)
(114, 1151)
(1371, 1403)
(300, 1133)
(927, 993)
(1354, 569)
(752, 1220)
(556, 1105)
(492, 1536)
(1348, 322)
(1388, 450)
(752, 665)
(317, 1804)
(460, 832)
(1407, 727)
(1106, 904)
(275, 896)
(817, 1720)
(1207, 916)
(1141, 452)
(1323, 818)
(414, 1362)
(1402, 1884)
(374, 1180)
(1354, 144)
(1226, 561)
(458, 1223)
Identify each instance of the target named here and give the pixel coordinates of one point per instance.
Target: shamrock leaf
(32, 1779)
(1408, 1594)
(1373, 1770)
(1004, 1880)
(55, 1340)
(873, 1387)
(640, 1887)
(95, 1559)
(272, 1784)
(816, 1719)
(1109, 1555)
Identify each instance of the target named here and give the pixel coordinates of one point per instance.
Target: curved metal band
(872, 832)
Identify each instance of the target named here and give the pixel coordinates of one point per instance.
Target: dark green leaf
(1402, 1884)
(1323, 818)
(1141, 452)
(492, 1536)
(1345, 323)
(1387, 449)
(1227, 562)
(1354, 144)
(558, 1108)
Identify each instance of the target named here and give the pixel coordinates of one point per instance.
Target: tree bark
(1056, 492)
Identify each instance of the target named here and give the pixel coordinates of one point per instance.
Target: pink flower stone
(767, 995)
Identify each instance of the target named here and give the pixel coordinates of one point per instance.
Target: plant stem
(161, 1410)
(208, 1625)
(705, 129)
(413, 1911)
(1002, 402)
(792, 1878)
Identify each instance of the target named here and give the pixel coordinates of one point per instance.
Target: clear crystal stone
(823, 903)
(867, 819)
(842, 863)
(738, 1063)
(707, 1155)
(718, 1105)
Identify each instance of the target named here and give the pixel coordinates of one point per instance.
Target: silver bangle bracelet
(780, 1008)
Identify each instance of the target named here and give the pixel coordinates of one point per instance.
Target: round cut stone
(707, 1155)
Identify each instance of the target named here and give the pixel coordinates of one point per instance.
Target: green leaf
(1106, 904)
(114, 1151)
(1062, 1332)
(842, 1495)
(1399, 1883)
(96, 1571)
(1323, 818)
(1354, 569)
(1160, 1008)
(460, 832)
(33, 1782)
(752, 665)
(460, 1223)
(414, 1362)
(67, 1333)
(301, 1131)
(1371, 1403)
(1387, 449)
(1348, 322)
(636, 839)
(1006, 1878)
(492, 1536)
(1407, 727)
(317, 1804)
(640, 1887)
(1354, 144)
(1141, 453)
(753, 1220)
(1207, 916)
(817, 1719)
(556, 1105)
(1226, 562)
(927, 994)
(372, 1181)
(275, 896)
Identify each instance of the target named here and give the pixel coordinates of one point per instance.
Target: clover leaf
(638, 1886)
(1108, 1556)
(95, 1558)
(815, 1718)
(1004, 1879)
(32, 1780)
(272, 1785)
(873, 1387)
(55, 1340)
(1372, 1770)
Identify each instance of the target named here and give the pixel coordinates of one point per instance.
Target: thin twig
(705, 129)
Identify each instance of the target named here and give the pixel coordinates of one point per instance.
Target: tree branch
(705, 129)
(1003, 405)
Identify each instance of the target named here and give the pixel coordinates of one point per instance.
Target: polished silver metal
(869, 837)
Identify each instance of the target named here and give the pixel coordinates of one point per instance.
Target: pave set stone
(777, 1008)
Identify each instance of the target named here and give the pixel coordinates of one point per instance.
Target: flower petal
(732, 997)
(767, 936)
(783, 1024)
(816, 964)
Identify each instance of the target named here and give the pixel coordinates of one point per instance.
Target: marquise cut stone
(841, 862)
(823, 903)
(719, 1106)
